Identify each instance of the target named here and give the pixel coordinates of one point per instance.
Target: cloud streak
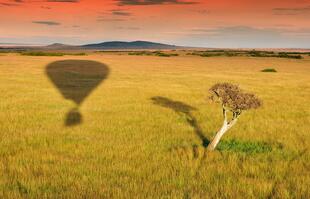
(153, 2)
(48, 23)
(8, 4)
(291, 11)
(120, 13)
(64, 1)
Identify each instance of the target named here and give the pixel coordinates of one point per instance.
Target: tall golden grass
(129, 146)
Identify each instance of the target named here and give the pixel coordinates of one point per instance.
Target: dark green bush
(285, 55)
(77, 54)
(140, 53)
(272, 70)
(231, 54)
(272, 54)
(216, 53)
(155, 53)
(211, 54)
(40, 53)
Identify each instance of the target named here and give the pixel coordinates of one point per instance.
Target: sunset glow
(205, 23)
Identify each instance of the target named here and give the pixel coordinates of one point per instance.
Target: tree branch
(233, 121)
(216, 93)
(224, 114)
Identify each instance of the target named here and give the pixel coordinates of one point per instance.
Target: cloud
(112, 14)
(48, 23)
(128, 28)
(64, 1)
(46, 7)
(8, 4)
(203, 12)
(19, 2)
(246, 37)
(153, 2)
(238, 32)
(291, 11)
(120, 13)
(100, 19)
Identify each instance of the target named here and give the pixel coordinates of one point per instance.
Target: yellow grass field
(145, 128)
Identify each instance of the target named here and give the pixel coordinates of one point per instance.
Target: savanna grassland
(146, 126)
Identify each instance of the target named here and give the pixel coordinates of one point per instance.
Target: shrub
(210, 54)
(155, 53)
(286, 55)
(140, 53)
(269, 70)
(40, 53)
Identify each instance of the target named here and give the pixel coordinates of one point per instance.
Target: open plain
(144, 128)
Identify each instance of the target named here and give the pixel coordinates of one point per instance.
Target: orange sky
(207, 23)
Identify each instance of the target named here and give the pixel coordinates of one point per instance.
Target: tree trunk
(218, 137)
(226, 126)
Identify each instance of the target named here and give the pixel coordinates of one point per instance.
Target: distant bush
(216, 53)
(140, 53)
(272, 70)
(76, 54)
(161, 54)
(211, 54)
(272, 54)
(298, 53)
(40, 53)
(155, 53)
(193, 53)
(205, 54)
(231, 54)
(286, 55)
(10, 51)
(259, 54)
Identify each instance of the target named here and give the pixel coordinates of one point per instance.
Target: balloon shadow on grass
(75, 80)
(182, 108)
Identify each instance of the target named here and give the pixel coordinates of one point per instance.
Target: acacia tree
(234, 101)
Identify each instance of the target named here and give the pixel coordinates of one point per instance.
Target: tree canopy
(233, 98)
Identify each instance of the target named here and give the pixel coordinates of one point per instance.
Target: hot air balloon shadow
(76, 79)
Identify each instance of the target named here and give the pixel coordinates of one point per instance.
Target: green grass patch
(244, 147)
(269, 70)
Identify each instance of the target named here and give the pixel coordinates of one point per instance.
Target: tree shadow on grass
(182, 108)
(75, 80)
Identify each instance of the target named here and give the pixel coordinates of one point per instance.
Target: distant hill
(129, 45)
(60, 46)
